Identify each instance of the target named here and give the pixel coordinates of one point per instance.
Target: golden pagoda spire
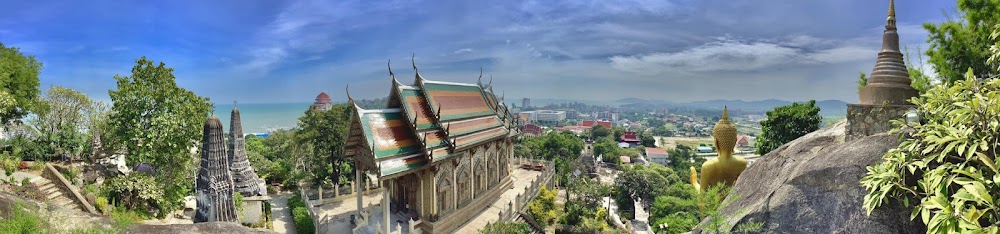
(891, 20)
(725, 113)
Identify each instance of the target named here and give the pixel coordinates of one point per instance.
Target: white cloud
(732, 55)
(463, 50)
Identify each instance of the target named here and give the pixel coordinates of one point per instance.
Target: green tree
(599, 131)
(862, 81)
(648, 140)
(325, 131)
(158, 122)
(963, 44)
(18, 82)
(787, 123)
(918, 80)
(62, 120)
(946, 169)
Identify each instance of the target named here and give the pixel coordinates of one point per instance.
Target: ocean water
(262, 117)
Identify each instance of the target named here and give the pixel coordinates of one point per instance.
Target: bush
(37, 166)
(946, 170)
(135, 191)
(506, 228)
(21, 221)
(303, 223)
(101, 203)
(300, 216)
(22, 166)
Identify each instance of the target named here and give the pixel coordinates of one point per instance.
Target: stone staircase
(54, 195)
(525, 218)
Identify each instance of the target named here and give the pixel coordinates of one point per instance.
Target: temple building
(887, 94)
(323, 101)
(723, 169)
(245, 180)
(214, 187)
(440, 151)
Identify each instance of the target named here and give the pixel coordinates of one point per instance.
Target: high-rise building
(525, 103)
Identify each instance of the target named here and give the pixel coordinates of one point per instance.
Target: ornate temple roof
(426, 122)
(245, 179)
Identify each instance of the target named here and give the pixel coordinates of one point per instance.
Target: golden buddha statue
(725, 168)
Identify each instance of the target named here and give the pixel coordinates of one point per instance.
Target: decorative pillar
(434, 207)
(357, 180)
(385, 207)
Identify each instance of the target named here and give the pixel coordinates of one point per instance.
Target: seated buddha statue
(725, 168)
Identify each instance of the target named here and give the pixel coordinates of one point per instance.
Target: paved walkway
(335, 216)
(522, 179)
(281, 214)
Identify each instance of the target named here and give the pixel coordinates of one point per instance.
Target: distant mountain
(826, 107)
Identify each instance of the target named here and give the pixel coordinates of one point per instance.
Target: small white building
(658, 155)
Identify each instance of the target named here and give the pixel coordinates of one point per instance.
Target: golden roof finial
(725, 112)
(892, 8)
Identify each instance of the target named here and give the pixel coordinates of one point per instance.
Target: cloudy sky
(288, 51)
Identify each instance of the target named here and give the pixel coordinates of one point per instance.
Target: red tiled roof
(322, 96)
(630, 137)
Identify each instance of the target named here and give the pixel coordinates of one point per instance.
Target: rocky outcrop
(213, 227)
(811, 185)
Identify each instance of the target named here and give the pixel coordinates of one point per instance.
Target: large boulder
(811, 185)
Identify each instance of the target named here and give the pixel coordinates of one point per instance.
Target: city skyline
(279, 52)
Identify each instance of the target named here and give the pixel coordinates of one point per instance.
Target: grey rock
(210, 227)
(812, 185)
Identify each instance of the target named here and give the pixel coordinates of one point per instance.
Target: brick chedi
(887, 94)
(214, 187)
(245, 180)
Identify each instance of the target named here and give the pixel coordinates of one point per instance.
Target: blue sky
(288, 51)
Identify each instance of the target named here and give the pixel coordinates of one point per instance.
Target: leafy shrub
(37, 166)
(300, 216)
(21, 221)
(124, 218)
(506, 228)
(947, 169)
(134, 191)
(22, 166)
(542, 208)
(9, 162)
(101, 203)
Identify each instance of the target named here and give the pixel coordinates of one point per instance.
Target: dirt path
(282, 215)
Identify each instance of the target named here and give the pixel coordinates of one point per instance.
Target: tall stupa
(887, 94)
(214, 187)
(889, 82)
(245, 180)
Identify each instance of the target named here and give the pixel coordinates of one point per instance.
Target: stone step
(46, 187)
(66, 203)
(54, 196)
(51, 190)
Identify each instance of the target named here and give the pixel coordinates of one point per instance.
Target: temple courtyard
(335, 217)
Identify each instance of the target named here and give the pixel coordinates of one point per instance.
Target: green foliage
(506, 228)
(300, 216)
(643, 182)
(862, 81)
(101, 203)
(679, 222)
(964, 44)
(918, 80)
(543, 208)
(9, 162)
(946, 169)
(135, 191)
(18, 84)
(787, 123)
(22, 221)
(158, 122)
(598, 131)
(648, 140)
(238, 201)
(123, 219)
(60, 115)
(325, 131)
(995, 48)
